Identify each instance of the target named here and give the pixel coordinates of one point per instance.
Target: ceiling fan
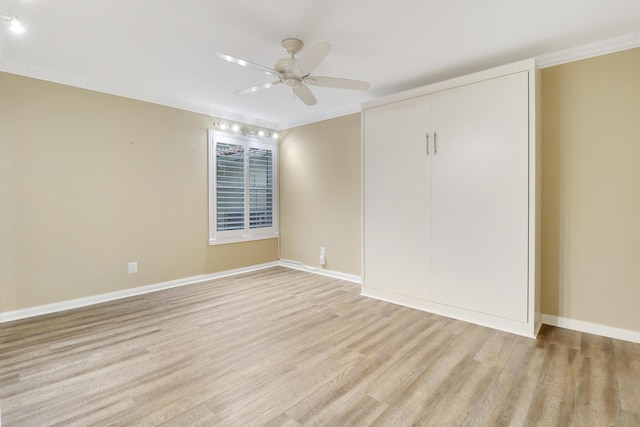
(296, 72)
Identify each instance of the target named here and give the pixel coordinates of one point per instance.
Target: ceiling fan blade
(337, 83)
(245, 63)
(257, 88)
(311, 57)
(305, 95)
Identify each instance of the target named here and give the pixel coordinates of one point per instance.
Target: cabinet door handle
(435, 143)
(427, 142)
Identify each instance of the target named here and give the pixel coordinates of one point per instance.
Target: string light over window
(244, 129)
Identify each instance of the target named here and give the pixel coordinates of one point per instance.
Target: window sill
(240, 239)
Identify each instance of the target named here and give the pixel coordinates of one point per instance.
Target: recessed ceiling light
(16, 26)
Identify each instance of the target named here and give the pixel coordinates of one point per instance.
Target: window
(243, 202)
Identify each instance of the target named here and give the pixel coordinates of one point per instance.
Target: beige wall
(591, 190)
(590, 180)
(320, 194)
(91, 181)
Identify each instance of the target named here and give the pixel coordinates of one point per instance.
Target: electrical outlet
(133, 267)
(323, 255)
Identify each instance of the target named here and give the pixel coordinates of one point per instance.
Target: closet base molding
(592, 328)
(477, 318)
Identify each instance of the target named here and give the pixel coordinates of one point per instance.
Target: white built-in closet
(451, 198)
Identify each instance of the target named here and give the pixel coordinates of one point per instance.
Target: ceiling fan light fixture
(292, 81)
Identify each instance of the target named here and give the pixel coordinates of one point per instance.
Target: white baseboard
(330, 273)
(591, 328)
(10, 316)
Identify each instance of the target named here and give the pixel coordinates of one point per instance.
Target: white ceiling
(161, 50)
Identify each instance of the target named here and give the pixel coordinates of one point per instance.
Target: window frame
(246, 234)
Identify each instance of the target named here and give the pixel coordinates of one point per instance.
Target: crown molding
(577, 53)
(74, 81)
(322, 117)
(590, 50)
(68, 80)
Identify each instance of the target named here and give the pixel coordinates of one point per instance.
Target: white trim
(10, 316)
(603, 47)
(25, 313)
(503, 70)
(525, 329)
(322, 117)
(592, 328)
(75, 81)
(561, 322)
(240, 239)
(78, 82)
(295, 265)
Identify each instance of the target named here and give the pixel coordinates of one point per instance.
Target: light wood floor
(284, 347)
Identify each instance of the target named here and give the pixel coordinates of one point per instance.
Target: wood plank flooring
(281, 347)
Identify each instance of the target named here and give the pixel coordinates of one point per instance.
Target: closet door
(480, 197)
(397, 180)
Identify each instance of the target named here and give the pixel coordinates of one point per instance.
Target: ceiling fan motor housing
(288, 76)
(291, 79)
(284, 65)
